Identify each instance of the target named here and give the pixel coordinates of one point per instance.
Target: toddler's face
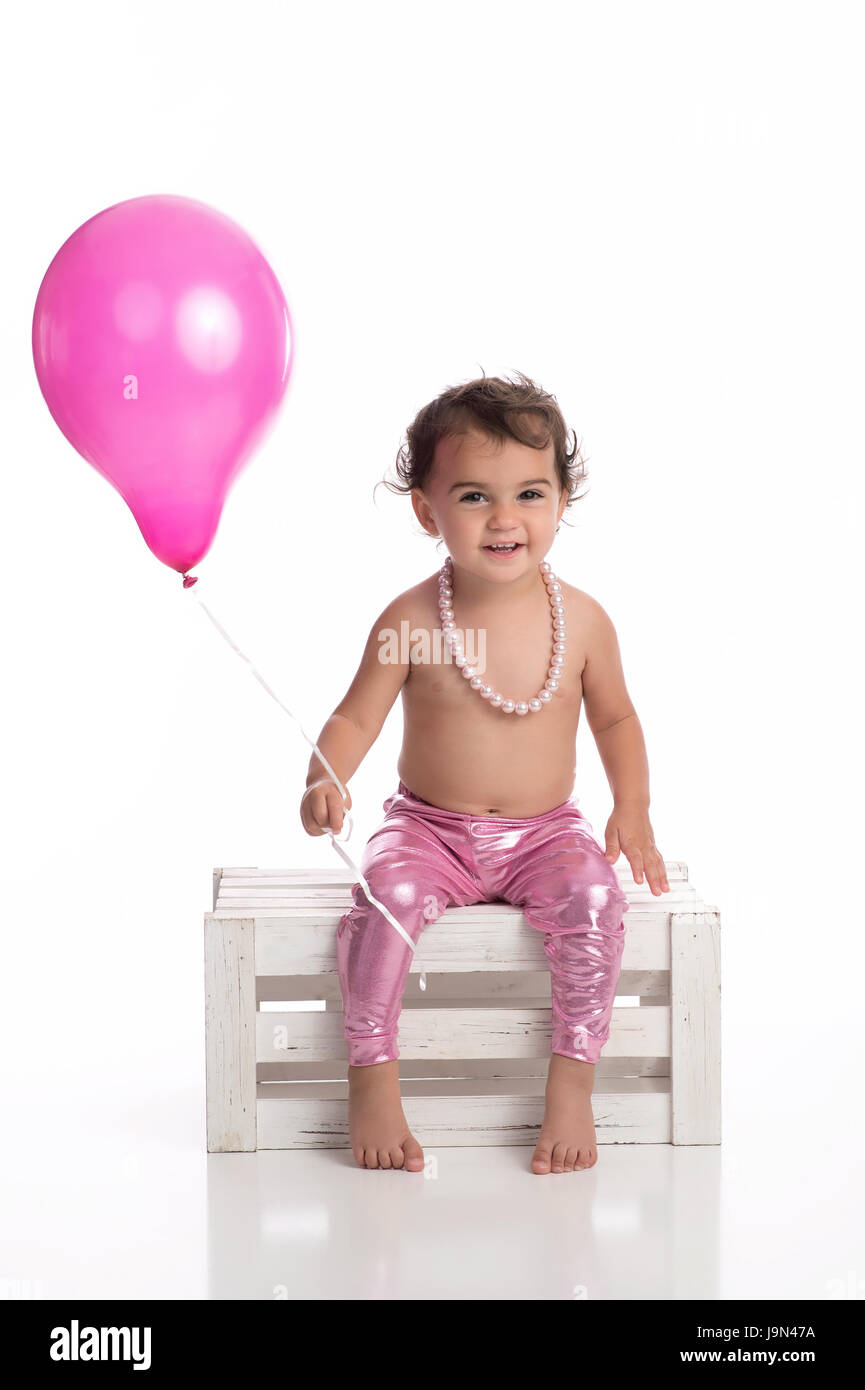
(483, 492)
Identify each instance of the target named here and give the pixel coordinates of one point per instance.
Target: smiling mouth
(509, 549)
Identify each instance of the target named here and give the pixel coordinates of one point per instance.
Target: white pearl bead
(453, 637)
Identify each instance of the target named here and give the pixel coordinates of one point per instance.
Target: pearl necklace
(454, 640)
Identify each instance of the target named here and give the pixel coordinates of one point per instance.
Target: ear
(422, 512)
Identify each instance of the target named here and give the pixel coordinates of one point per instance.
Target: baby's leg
(570, 893)
(416, 880)
(405, 873)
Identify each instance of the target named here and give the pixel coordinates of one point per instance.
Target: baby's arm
(619, 736)
(610, 712)
(355, 724)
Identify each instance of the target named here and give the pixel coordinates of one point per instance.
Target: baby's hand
(630, 831)
(322, 808)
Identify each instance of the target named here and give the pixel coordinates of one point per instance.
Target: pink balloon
(163, 346)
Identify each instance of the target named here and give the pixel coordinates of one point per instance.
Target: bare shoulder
(420, 603)
(410, 604)
(385, 664)
(583, 606)
(587, 619)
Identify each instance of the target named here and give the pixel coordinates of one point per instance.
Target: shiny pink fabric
(423, 859)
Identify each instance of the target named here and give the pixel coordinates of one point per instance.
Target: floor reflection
(309, 1224)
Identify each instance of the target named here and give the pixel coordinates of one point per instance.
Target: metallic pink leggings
(423, 859)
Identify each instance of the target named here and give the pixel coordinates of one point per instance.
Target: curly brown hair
(499, 408)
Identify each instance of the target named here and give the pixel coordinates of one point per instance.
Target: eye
(529, 492)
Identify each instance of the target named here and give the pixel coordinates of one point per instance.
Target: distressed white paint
(474, 1047)
(695, 1005)
(457, 1113)
(229, 1020)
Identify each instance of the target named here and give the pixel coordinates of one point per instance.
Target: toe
(358, 1156)
(414, 1160)
(397, 1157)
(558, 1159)
(384, 1159)
(541, 1159)
(571, 1159)
(371, 1158)
(588, 1158)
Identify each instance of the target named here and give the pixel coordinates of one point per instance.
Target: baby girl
(502, 655)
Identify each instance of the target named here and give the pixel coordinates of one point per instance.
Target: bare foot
(377, 1126)
(567, 1140)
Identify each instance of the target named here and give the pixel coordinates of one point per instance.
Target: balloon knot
(189, 580)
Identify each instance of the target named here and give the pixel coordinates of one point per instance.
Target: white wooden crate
(475, 1046)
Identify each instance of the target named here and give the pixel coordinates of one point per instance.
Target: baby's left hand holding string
(629, 831)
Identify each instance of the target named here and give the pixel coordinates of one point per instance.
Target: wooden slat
(229, 1023)
(288, 904)
(480, 938)
(242, 889)
(476, 1067)
(695, 1000)
(511, 986)
(444, 1114)
(456, 1032)
(676, 868)
(243, 901)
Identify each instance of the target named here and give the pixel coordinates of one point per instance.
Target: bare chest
(510, 654)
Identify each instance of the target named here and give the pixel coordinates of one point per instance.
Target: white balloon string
(354, 868)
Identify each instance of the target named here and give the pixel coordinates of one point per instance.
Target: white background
(654, 211)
